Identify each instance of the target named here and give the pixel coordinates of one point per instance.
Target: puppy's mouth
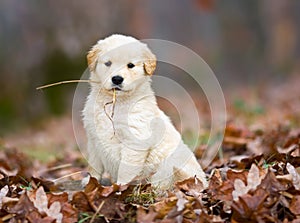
(117, 89)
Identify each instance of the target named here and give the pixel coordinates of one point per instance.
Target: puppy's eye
(130, 65)
(108, 63)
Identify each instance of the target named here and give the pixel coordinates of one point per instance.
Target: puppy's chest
(119, 122)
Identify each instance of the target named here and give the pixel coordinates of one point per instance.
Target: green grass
(45, 155)
(141, 195)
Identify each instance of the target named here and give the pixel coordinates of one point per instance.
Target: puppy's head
(121, 62)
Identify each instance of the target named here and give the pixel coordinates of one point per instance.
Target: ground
(254, 178)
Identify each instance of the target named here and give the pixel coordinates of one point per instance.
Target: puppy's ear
(150, 63)
(92, 57)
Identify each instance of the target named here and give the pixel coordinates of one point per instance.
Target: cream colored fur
(141, 143)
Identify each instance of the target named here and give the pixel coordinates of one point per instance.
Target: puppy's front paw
(123, 180)
(127, 177)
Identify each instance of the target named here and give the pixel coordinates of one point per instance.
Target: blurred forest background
(245, 42)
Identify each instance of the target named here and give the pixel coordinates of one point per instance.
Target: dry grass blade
(7, 217)
(97, 212)
(113, 102)
(66, 82)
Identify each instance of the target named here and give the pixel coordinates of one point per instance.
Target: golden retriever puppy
(131, 139)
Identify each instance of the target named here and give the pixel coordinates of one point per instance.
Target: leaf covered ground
(255, 177)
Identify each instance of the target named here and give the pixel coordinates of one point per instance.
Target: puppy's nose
(117, 79)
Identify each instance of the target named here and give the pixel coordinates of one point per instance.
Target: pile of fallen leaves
(255, 180)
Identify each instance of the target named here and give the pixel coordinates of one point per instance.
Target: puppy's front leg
(96, 168)
(131, 165)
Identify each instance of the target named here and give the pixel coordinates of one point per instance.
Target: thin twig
(97, 212)
(66, 82)
(113, 102)
(68, 175)
(56, 168)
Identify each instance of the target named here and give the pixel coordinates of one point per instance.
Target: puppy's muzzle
(117, 80)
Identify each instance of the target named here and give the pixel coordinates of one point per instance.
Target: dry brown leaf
(239, 189)
(165, 206)
(8, 172)
(233, 175)
(192, 186)
(80, 202)
(68, 211)
(295, 205)
(54, 211)
(224, 192)
(111, 206)
(296, 177)
(3, 192)
(271, 184)
(253, 180)
(35, 216)
(40, 201)
(249, 208)
(144, 216)
(181, 201)
(23, 207)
